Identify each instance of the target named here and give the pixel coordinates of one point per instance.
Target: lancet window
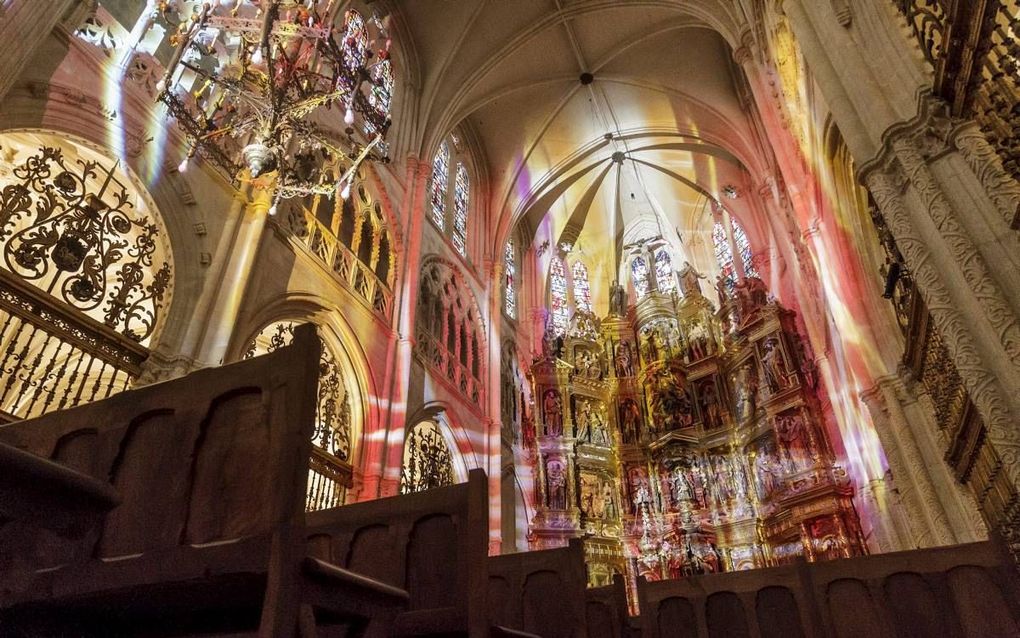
(448, 329)
(664, 278)
(728, 234)
(427, 460)
(724, 255)
(329, 470)
(510, 281)
(381, 94)
(85, 277)
(558, 296)
(744, 249)
(582, 289)
(451, 207)
(639, 276)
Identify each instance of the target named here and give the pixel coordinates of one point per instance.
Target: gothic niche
(680, 438)
(448, 330)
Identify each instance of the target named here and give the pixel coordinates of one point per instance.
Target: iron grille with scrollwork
(70, 229)
(427, 460)
(329, 468)
(333, 415)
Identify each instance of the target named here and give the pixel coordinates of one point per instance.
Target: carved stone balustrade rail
(315, 237)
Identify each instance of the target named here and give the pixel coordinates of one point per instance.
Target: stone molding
(902, 169)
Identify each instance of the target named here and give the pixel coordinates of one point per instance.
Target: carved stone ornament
(903, 163)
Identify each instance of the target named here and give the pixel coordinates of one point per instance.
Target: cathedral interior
(701, 297)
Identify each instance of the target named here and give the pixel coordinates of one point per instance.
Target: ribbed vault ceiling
(663, 102)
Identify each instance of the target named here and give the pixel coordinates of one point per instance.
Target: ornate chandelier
(262, 86)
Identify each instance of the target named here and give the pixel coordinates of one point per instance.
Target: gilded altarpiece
(679, 438)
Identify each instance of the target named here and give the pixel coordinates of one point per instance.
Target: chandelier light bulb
(272, 210)
(256, 57)
(183, 166)
(345, 192)
(349, 117)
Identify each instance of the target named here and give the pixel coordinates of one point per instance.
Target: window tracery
(440, 175)
(450, 193)
(333, 418)
(460, 209)
(664, 271)
(448, 328)
(428, 463)
(724, 256)
(558, 297)
(639, 276)
(381, 94)
(744, 248)
(510, 282)
(582, 289)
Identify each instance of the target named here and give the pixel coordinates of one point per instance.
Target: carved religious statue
(773, 367)
(708, 399)
(630, 419)
(552, 408)
(617, 299)
(557, 484)
(624, 360)
(745, 385)
(689, 277)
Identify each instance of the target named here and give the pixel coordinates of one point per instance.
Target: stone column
(251, 213)
(943, 195)
(383, 459)
(918, 523)
(24, 26)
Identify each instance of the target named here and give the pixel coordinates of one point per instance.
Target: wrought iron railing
(52, 357)
(354, 275)
(329, 472)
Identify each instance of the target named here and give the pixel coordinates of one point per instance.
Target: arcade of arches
(711, 284)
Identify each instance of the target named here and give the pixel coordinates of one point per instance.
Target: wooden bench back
(605, 610)
(540, 592)
(431, 543)
(218, 455)
(965, 590)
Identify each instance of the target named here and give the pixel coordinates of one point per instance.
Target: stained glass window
(724, 255)
(582, 291)
(354, 44)
(460, 209)
(510, 266)
(639, 275)
(744, 248)
(440, 181)
(664, 272)
(558, 295)
(381, 94)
